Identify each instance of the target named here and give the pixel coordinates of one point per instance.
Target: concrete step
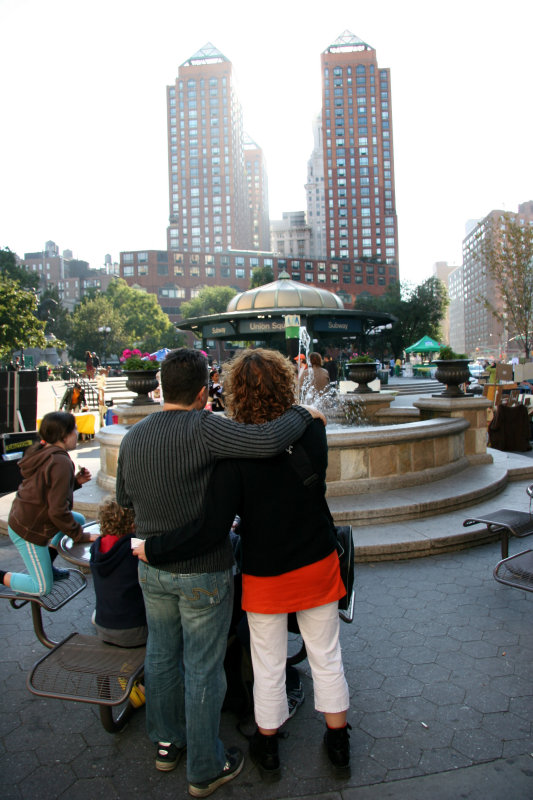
(470, 486)
(426, 520)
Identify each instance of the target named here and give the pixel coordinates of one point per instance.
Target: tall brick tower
(360, 207)
(208, 195)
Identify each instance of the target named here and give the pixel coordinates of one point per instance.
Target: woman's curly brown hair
(114, 519)
(259, 386)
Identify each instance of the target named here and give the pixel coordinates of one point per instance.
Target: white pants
(268, 639)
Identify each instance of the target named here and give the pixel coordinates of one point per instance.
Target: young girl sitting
(119, 617)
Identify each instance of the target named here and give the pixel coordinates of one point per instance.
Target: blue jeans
(188, 621)
(37, 561)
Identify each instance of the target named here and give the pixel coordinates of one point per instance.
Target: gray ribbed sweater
(166, 460)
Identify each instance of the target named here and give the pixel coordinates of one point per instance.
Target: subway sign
(276, 325)
(338, 324)
(217, 330)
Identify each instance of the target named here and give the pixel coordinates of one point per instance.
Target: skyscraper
(208, 194)
(257, 184)
(361, 224)
(314, 189)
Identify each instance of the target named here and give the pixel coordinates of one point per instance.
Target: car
(476, 370)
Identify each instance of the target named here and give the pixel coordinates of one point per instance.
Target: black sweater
(284, 524)
(165, 463)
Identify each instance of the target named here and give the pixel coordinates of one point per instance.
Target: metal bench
(80, 667)
(506, 522)
(60, 594)
(85, 669)
(516, 571)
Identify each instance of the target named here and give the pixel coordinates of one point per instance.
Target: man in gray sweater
(164, 466)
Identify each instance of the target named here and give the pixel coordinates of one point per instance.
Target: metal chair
(516, 571)
(506, 522)
(60, 594)
(85, 669)
(80, 667)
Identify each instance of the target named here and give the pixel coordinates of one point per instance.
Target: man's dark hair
(183, 373)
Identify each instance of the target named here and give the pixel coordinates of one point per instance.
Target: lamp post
(105, 330)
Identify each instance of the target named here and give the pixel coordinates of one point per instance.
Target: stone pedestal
(90, 496)
(130, 414)
(473, 410)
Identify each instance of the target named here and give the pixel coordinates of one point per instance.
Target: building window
(128, 272)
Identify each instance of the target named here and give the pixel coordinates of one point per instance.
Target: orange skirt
(306, 587)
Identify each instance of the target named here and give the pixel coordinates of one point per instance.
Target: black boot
(264, 754)
(337, 742)
(57, 573)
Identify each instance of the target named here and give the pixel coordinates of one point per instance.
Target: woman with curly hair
(289, 561)
(289, 558)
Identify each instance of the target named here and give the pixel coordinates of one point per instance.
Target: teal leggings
(37, 560)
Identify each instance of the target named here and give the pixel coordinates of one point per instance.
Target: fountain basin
(386, 457)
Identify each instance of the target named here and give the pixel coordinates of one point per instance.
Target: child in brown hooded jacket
(42, 509)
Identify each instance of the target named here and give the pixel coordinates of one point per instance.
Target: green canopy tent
(424, 345)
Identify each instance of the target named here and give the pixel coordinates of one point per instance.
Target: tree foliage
(261, 276)
(210, 300)
(144, 322)
(10, 269)
(19, 326)
(134, 317)
(85, 321)
(419, 310)
(57, 318)
(507, 253)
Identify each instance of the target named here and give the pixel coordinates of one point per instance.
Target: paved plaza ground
(439, 661)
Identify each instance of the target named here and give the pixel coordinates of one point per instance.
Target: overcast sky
(83, 147)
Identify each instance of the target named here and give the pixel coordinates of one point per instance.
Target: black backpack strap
(301, 463)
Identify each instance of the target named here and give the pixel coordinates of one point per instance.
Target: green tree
(85, 321)
(261, 276)
(210, 300)
(10, 269)
(54, 314)
(418, 309)
(507, 253)
(19, 326)
(144, 323)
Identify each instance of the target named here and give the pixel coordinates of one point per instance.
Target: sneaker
(232, 767)
(264, 754)
(337, 742)
(59, 574)
(137, 695)
(167, 756)
(295, 698)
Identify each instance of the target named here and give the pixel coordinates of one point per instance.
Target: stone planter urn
(142, 382)
(452, 373)
(363, 373)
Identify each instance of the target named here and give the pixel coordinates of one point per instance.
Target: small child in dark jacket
(120, 617)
